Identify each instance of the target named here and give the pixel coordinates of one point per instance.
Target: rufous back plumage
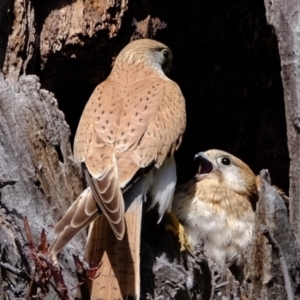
(136, 117)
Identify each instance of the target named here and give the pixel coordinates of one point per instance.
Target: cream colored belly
(224, 237)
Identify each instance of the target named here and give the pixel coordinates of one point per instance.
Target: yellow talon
(177, 228)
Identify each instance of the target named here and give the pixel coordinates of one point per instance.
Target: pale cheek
(234, 179)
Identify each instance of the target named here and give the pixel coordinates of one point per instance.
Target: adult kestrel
(127, 135)
(217, 207)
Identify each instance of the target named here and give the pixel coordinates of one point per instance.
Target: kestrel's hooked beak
(206, 165)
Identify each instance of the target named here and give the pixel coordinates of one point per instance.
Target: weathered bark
(284, 17)
(264, 273)
(73, 23)
(39, 178)
(21, 41)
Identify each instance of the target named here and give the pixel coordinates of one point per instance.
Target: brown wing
(94, 144)
(127, 124)
(81, 213)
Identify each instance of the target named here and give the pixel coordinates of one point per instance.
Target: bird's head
(146, 52)
(227, 169)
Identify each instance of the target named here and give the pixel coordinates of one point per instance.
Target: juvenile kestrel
(127, 135)
(217, 207)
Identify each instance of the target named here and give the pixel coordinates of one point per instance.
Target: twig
(149, 297)
(81, 273)
(213, 290)
(57, 291)
(10, 268)
(18, 272)
(284, 267)
(3, 182)
(221, 285)
(32, 282)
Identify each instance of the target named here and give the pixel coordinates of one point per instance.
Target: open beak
(206, 165)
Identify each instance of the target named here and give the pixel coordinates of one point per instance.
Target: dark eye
(165, 53)
(225, 161)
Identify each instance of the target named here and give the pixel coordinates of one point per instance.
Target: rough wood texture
(284, 17)
(38, 175)
(20, 42)
(72, 22)
(263, 273)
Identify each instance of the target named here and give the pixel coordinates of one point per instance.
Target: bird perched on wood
(217, 206)
(127, 135)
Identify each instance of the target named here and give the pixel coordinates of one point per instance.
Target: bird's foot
(177, 228)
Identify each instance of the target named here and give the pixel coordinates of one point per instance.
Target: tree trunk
(68, 47)
(284, 17)
(39, 178)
